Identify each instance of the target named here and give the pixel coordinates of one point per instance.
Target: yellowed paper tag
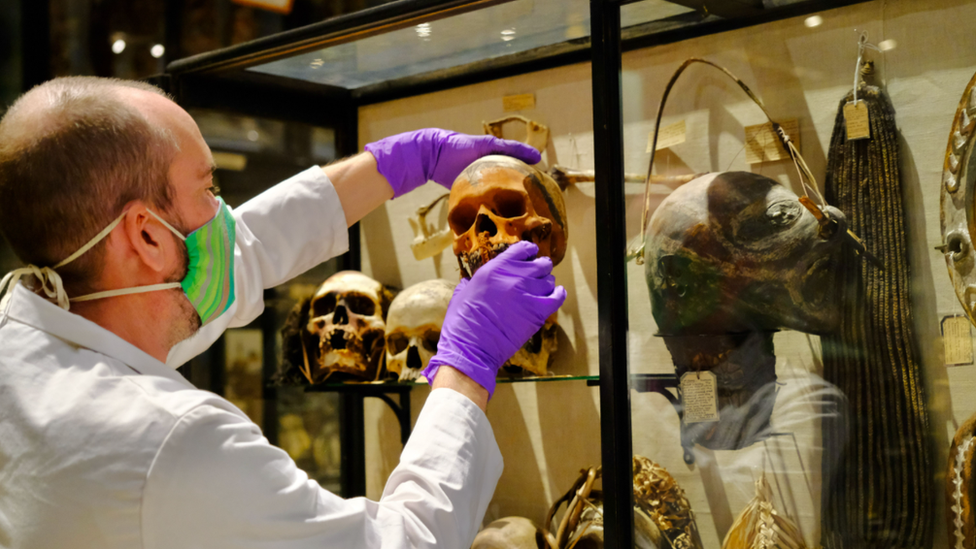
(763, 145)
(671, 135)
(522, 102)
(857, 121)
(699, 396)
(958, 340)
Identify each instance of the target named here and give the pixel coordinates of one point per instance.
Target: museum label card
(699, 396)
(856, 120)
(958, 340)
(511, 103)
(762, 144)
(671, 135)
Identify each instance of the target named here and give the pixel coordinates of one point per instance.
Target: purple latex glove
(408, 160)
(494, 313)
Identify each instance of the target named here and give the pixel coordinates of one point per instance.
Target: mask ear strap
(167, 225)
(127, 291)
(91, 243)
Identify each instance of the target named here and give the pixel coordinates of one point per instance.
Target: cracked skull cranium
(498, 201)
(346, 317)
(413, 327)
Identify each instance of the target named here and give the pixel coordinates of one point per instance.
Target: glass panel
(801, 369)
(476, 37)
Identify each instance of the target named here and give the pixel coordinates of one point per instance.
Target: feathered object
(759, 526)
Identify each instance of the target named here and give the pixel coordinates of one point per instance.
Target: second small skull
(413, 327)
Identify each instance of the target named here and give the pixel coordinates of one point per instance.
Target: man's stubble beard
(187, 320)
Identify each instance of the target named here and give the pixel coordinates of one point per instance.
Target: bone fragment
(567, 176)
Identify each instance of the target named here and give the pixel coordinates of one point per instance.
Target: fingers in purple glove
(540, 286)
(523, 152)
(520, 251)
(551, 303)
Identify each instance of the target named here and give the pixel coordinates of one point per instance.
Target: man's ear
(147, 237)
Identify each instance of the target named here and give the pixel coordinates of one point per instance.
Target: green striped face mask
(209, 281)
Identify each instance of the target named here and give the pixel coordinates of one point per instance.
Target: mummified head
(737, 252)
(498, 201)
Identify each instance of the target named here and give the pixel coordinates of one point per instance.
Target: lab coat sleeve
(281, 233)
(217, 483)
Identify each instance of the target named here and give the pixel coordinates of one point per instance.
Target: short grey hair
(73, 152)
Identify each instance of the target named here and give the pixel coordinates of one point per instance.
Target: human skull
(534, 357)
(735, 252)
(498, 201)
(413, 327)
(346, 315)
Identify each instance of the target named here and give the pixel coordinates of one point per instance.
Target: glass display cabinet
(759, 328)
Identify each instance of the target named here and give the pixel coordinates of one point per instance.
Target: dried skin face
(736, 251)
(413, 327)
(498, 201)
(346, 316)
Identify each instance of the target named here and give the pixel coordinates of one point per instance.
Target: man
(106, 194)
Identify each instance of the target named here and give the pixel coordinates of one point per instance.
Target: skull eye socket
(430, 339)
(509, 204)
(462, 218)
(324, 306)
(360, 305)
(396, 343)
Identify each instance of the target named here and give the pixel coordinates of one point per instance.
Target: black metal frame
(217, 80)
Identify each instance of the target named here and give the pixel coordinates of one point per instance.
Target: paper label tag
(856, 120)
(518, 102)
(958, 340)
(671, 135)
(763, 145)
(699, 396)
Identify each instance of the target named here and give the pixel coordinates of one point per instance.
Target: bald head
(73, 152)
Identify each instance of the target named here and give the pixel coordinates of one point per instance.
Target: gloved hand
(408, 160)
(495, 312)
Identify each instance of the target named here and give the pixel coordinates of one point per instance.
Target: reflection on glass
(491, 33)
(243, 361)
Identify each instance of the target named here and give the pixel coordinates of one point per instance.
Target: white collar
(33, 310)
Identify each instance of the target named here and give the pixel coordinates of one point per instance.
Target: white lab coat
(101, 445)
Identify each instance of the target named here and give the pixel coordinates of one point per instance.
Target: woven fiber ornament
(877, 472)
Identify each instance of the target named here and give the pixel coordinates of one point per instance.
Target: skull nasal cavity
(413, 359)
(486, 225)
(341, 316)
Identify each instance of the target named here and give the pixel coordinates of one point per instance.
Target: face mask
(209, 281)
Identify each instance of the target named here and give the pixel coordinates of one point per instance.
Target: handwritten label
(669, 136)
(958, 340)
(699, 395)
(857, 122)
(518, 102)
(763, 145)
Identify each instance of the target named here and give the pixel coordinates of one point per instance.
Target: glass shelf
(396, 386)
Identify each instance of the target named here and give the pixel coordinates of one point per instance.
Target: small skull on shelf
(498, 201)
(346, 322)
(413, 327)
